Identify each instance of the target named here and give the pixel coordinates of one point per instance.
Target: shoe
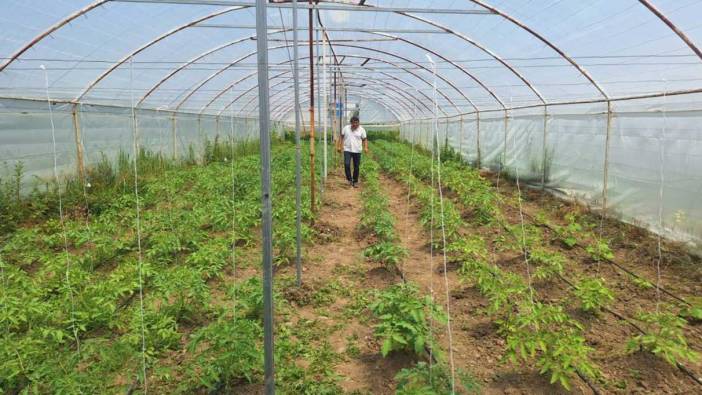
(353, 184)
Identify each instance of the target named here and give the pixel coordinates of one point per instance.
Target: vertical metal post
(325, 90)
(79, 143)
(217, 126)
(544, 158)
(174, 135)
(298, 165)
(265, 140)
(477, 139)
(606, 159)
(461, 129)
(504, 149)
(312, 134)
(319, 86)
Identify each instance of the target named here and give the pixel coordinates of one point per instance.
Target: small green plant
(600, 251)
(593, 294)
(386, 253)
(546, 333)
(663, 337)
(226, 352)
(641, 283)
(548, 264)
(403, 316)
(434, 379)
(692, 312)
(569, 234)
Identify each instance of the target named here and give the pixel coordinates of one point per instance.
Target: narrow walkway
(340, 260)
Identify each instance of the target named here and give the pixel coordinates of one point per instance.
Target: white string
(523, 240)
(135, 147)
(409, 189)
(660, 204)
(83, 181)
(61, 217)
(443, 237)
(233, 208)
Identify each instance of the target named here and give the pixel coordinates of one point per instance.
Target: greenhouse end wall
(647, 169)
(26, 138)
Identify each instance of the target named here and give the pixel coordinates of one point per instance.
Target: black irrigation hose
(615, 264)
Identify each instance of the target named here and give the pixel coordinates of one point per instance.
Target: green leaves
(599, 251)
(403, 316)
(593, 294)
(663, 337)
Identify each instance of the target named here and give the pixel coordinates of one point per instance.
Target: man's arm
(365, 145)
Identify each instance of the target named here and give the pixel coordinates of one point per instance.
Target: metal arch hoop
(198, 57)
(341, 45)
(482, 48)
(306, 57)
(50, 30)
(543, 39)
(672, 26)
(406, 102)
(152, 42)
(291, 106)
(494, 10)
(419, 77)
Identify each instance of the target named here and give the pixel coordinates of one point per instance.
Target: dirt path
(337, 270)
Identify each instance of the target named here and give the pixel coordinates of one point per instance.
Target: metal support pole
(606, 159)
(298, 165)
(79, 143)
(477, 139)
(217, 126)
(312, 134)
(504, 149)
(319, 85)
(265, 140)
(544, 170)
(461, 130)
(326, 101)
(174, 134)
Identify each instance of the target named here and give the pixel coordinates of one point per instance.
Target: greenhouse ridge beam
(323, 7)
(329, 29)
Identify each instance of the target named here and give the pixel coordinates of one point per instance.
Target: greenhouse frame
(531, 145)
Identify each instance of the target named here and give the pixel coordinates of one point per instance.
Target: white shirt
(353, 139)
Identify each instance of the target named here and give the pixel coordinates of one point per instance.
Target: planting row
(532, 329)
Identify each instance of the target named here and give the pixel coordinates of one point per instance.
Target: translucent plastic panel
(654, 165)
(492, 138)
(26, 138)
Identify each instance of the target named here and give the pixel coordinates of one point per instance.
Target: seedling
(403, 316)
(593, 294)
(663, 337)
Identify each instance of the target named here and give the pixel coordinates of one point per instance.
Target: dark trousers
(356, 156)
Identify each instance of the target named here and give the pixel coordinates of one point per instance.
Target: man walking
(353, 138)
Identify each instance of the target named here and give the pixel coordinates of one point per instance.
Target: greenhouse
(182, 208)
